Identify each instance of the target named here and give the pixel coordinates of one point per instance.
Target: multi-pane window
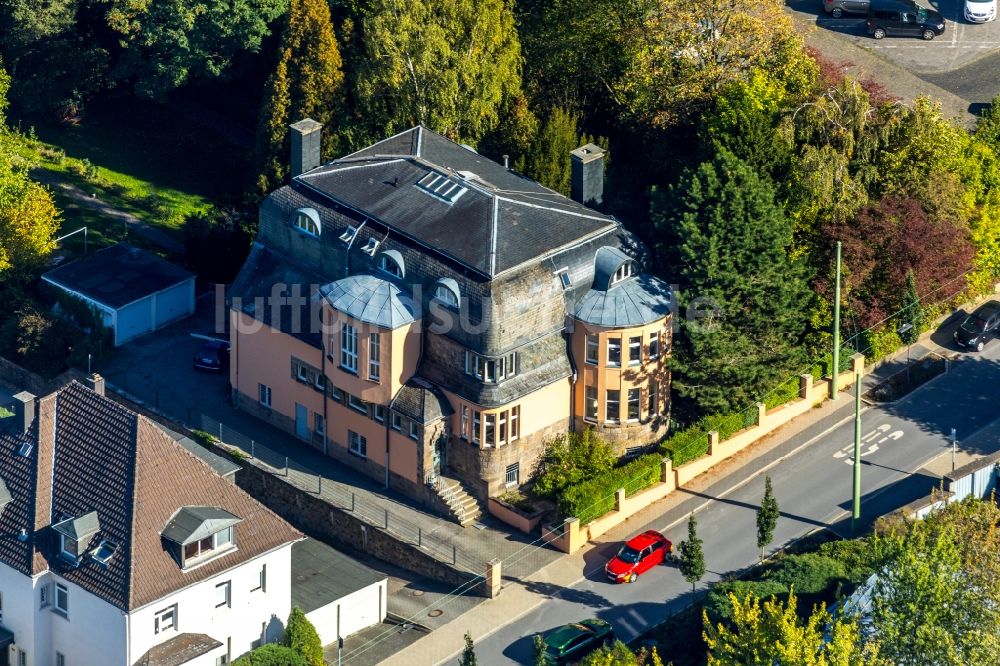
(264, 394)
(357, 404)
(349, 348)
(389, 265)
(513, 474)
(446, 296)
(654, 345)
(633, 404)
(612, 406)
(635, 350)
(207, 546)
(490, 369)
(654, 399)
(614, 352)
(374, 360)
(624, 271)
(357, 443)
(590, 401)
(305, 223)
(593, 345)
(476, 419)
(62, 599)
(489, 436)
(515, 422)
(222, 595)
(165, 619)
(464, 432)
(502, 424)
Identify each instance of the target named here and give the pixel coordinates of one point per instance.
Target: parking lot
(963, 61)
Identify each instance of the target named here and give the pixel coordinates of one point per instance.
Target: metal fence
(360, 503)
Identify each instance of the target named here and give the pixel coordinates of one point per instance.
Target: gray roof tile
(635, 301)
(371, 300)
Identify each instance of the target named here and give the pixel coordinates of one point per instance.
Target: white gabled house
(120, 547)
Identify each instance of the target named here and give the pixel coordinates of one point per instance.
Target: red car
(637, 556)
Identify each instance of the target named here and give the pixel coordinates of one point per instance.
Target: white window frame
(515, 422)
(388, 265)
(374, 357)
(591, 403)
(635, 350)
(464, 431)
(218, 547)
(477, 425)
(654, 345)
(608, 402)
(653, 408)
(357, 444)
(165, 619)
(513, 470)
(502, 428)
(227, 595)
(444, 295)
(349, 233)
(44, 595)
(71, 555)
(614, 343)
(306, 224)
(349, 348)
(357, 404)
(264, 394)
(302, 374)
(378, 413)
(593, 348)
(261, 579)
(319, 424)
(61, 592)
(624, 271)
(396, 421)
(634, 397)
(490, 422)
(414, 430)
(565, 279)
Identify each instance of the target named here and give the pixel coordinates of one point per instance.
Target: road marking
(874, 447)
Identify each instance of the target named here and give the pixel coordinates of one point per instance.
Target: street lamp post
(856, 507)
(902, 330)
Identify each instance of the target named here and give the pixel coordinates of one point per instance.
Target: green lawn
(144, 160)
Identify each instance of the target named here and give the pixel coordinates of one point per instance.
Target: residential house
(430, 317)
(119, 546)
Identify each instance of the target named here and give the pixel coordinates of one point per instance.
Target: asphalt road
(813, 487)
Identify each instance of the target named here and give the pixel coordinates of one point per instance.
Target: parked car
(213, 356)
(904, 18)
(979, 326)
(637, 556)
(837, 8)
(980, 11)
(574, 641)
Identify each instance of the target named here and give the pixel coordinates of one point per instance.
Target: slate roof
(501, 221)
(265, 268)
(371, 300)
(92, 454)
(634, 301)
(322, 575)
(118, 275)
(180, 649)
(419, 400)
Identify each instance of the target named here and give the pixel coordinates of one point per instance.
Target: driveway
(972, 51)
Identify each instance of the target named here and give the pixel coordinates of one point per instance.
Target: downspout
(572, 393)
(326, 393)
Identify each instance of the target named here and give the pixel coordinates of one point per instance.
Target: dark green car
(574, 641)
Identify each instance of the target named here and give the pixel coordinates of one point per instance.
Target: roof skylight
(441, 187)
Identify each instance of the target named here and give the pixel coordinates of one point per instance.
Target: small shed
(339, 595)
(137, 291)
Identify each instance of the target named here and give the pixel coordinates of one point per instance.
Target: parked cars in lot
(979, 327)
(637, 556)
(573, 642)
(213, 356)
(903, 18)
(980, 11)
(837, 8)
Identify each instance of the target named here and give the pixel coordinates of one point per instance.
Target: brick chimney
(306, 138)
(95, 383)
(587, 170)
(24, 410)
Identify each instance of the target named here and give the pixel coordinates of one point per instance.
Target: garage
(136, 291)
(338, 594)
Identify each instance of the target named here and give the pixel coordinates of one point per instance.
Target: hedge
(595, 497)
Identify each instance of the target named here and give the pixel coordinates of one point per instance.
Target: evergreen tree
(767, 517)
(912, 313)
(307, 83)
(469, 653)
(538, 649)
(748, 300)
(692, 556)
(548, 160)
(448, 65)
(301, 636)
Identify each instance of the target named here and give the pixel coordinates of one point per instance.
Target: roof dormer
(612, 266)
(307, 221)
(201, 533)
(75, 535)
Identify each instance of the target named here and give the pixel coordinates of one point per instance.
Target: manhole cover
(437, 612)
(416, 593)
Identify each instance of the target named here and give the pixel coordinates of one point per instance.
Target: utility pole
(835, 375)
(856, 513)
(954, 448)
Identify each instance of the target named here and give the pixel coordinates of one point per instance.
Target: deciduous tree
(29, 218)
(448, 64)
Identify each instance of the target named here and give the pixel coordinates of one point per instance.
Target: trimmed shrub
(717, 604)
(809, 574)
(272, 654)
(593, 498)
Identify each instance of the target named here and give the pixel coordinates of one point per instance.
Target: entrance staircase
(464, 508)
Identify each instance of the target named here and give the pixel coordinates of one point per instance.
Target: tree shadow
(753, 507)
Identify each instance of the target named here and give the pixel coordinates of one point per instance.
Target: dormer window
(391, 262)
(349, 233)
(446, 291)
(104, 552)
(441, 187)
(201, 533)
(624, 271)
(307, 221)
(5, 496)
(75, 535)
